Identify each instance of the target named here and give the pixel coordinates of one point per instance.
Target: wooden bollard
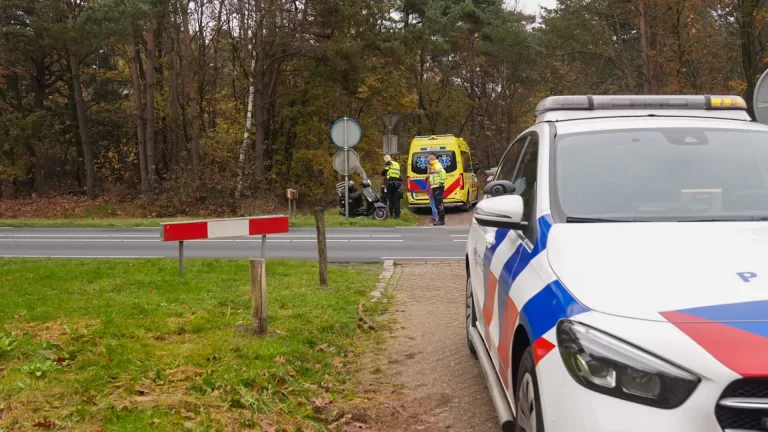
(322, 250)
(258, 296)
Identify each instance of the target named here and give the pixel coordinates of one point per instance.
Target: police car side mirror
(499, 188)
(505, 212)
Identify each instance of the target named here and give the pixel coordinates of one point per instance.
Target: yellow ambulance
(461, 185)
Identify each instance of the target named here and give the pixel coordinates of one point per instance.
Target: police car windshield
(662, 174)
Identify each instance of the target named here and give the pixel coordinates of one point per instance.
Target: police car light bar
(592, 103)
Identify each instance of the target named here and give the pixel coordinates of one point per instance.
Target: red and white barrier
(220, 228)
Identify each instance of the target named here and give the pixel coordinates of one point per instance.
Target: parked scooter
(363, 203)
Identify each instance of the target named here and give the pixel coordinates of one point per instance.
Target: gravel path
(438, 385)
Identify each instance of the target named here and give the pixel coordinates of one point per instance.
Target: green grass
(332, 219)
(128, 345)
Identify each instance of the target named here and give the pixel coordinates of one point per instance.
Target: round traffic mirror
(760, 102)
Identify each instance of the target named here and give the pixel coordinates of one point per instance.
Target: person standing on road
(437, 183)
(391, 174)
(430, 195)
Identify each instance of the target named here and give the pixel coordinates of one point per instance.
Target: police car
(617, 269)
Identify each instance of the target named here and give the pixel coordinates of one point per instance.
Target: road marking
(81, 235)
(459, 235)
(130, 240)
(463, 241)
(79, 256)
(422, 258)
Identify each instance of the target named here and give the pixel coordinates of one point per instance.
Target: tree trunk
(248, 123)
(260, 97)
(150, 108)
(194, 98)
(644, 47)
(173, 102)
(81, 122)
(133, 52)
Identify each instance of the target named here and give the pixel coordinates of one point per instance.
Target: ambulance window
(419, 161)
(466, 161)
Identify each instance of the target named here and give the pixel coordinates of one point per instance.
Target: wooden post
(258, 296)
(322, 250)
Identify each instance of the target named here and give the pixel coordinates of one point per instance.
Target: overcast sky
(532, 6)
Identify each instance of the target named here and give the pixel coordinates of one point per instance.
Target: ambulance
(461, 185)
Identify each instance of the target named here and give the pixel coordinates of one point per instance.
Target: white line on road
(127, 240)
(459, 235)
(79, 256)
(422, 258)
(463, 241)
(80, 235)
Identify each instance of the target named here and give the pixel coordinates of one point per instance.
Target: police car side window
(525, 182)
(510, 160)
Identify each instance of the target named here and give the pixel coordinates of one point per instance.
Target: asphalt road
(344, 244)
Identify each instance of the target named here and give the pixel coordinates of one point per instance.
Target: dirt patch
(453, 217)
(54, 332)
(426, 379)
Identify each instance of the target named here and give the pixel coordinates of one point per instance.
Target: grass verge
(92, 345)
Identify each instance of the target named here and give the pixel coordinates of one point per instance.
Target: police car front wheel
(528, 417)
(471, 316)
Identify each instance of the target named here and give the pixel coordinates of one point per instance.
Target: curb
(384, 277)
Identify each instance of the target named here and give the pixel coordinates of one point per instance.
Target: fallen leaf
(188, 415)
(142, 391)
(323, 347)
(154, 421)
(267, 426)
(44, 424)
(109, 360)
(280, 359)
(338, 362)
(152, 290)
(282, 307)
(256, 389)
(190, 426)
(323, 400)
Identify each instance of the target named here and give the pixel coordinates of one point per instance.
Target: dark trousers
(393, 197)
(438, 194)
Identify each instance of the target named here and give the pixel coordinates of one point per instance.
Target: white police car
(618, 268)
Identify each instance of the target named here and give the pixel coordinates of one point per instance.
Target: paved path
(344, 244)
(439, 385)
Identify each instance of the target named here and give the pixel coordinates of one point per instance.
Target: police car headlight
(610, 366)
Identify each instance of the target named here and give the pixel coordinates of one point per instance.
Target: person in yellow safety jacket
(437, 179)
(394, 182)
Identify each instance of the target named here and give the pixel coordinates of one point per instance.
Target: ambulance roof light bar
(639, 102)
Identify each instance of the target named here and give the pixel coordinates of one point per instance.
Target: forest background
(214, 107)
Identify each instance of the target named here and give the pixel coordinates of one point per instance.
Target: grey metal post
(346, 171)
(181, 258)
(263, 246)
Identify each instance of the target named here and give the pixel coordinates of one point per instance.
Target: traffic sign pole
(346, 139)
(346, 170)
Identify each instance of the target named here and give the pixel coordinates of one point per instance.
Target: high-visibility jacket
(393, 171)
(437, 177)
